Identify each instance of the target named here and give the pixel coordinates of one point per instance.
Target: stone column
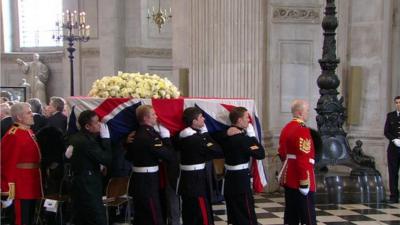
(223, 45)
(112, 36)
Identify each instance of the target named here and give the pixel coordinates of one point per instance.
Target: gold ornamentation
(305, 145)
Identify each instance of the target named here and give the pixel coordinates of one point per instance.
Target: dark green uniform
(89, 152)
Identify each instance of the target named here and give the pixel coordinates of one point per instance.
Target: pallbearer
(145, 152)
(239, 145)
(196, 147)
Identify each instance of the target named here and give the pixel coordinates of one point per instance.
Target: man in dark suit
(54, 111)
(392, 132)
(39, 119)
(51, 141)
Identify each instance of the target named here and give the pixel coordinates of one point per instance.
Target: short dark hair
(36, 105)
(190, 114)
(236, 113)
(58, 103)
(86, 117)
(397, 98)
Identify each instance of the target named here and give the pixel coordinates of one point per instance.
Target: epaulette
(13, 130)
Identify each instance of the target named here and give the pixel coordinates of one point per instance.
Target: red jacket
(297, 147)
(19, 155)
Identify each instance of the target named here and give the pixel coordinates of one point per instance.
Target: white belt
(193, 167)
(237, 167)
(291, 156)
(145, 169)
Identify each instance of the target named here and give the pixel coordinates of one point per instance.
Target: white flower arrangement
(134, 85)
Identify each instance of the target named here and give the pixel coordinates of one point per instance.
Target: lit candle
(87, 31)
(84, 17)
(72, 19)
(67, 16)
(76, 16)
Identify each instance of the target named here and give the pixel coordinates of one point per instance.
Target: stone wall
(121, 39)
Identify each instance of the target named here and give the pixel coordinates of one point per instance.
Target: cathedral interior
(269, 51)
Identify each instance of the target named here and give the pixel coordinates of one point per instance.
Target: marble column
(222, 43)
(112, 33)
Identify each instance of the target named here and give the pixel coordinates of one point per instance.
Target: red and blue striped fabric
(119, 114)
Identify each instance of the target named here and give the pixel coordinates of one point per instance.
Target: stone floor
(270, 208)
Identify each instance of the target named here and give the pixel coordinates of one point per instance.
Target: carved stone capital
(296, 14)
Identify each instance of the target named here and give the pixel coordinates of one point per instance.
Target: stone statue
(360, 158)
(38, 74)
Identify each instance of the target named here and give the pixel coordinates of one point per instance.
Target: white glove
(304, 191)
(69, 151)
(6, 203)
(250, 130)
(396, 142)
(163, 131)
(104, 132)
(188, 131)
(203, 129)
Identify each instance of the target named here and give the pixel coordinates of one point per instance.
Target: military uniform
(237, 188)
(145, 152)
(392, 131)
(87, 189)
(195, 149)
(20, 164)
(296, 150)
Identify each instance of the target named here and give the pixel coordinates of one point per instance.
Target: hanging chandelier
(159, 16)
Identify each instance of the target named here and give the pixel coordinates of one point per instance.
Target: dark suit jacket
(392, 128)
(6, 123)
(59, 121)
(40, 122)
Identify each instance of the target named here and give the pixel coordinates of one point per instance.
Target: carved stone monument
(364, 183)
(37, 77)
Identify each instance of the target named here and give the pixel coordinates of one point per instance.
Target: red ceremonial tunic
(297, 147)
(19, 149)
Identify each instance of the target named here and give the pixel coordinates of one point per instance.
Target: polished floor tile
(270, 210)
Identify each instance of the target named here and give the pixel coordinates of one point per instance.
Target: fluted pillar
(222, 44)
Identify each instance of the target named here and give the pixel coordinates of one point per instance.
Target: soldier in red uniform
(296, 150)
(20, 164)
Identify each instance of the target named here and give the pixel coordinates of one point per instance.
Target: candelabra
(72, 27)
(160, 16)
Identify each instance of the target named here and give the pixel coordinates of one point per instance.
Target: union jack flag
(119, 114)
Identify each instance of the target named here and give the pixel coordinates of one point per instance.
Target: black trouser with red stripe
(240, 209)
(197, 211)
(24, 211)
(147, 211)
(299, 207)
